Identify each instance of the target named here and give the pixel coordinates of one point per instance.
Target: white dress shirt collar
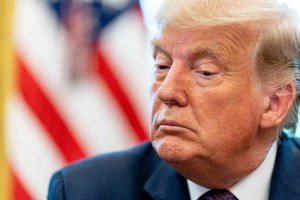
(256, 185)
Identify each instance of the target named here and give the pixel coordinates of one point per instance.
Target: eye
(207, 73)
(162, 63)
(162, 67)
(208, 70)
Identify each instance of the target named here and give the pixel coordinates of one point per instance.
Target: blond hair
(276, 55)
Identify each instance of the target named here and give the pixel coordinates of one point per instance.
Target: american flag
(81, 86)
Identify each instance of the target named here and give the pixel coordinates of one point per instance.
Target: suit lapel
(165, 184)
(285, 182)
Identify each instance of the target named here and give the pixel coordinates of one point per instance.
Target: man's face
(206, 100)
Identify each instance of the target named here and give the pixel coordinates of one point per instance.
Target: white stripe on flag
(33, 155)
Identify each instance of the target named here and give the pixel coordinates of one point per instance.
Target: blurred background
(74, 83)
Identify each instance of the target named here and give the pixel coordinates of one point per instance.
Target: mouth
(171, 124)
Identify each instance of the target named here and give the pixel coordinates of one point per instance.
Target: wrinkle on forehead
(228, 43)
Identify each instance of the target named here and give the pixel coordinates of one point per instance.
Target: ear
(277, 106)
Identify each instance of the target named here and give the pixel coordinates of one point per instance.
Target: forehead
(226, 42)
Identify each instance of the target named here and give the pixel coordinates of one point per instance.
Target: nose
(172, 90)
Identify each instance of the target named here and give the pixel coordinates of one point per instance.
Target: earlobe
(277, 106)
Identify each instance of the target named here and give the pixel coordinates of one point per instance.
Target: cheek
(227, 114)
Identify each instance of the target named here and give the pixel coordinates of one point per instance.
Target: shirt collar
(256, 185)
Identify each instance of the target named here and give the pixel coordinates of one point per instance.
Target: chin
(172, 149)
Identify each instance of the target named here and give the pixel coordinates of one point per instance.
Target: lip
(171, 124)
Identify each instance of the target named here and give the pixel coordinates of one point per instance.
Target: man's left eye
(207, 73)
(207, 69)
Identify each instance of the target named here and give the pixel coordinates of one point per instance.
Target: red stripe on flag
(18, 190)
(112, 83)
(46, 113)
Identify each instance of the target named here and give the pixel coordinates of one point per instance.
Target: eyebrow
(200, 52)
(158, 48)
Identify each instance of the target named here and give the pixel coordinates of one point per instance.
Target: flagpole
(6, 75)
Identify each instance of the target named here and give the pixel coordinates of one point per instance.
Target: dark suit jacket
(139, 174)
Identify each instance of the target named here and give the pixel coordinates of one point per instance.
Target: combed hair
(276, 55)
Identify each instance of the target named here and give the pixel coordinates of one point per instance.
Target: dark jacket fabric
(139, 174)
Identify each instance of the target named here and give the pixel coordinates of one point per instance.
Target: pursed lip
(171, 123)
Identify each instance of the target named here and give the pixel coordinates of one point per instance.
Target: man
(225, 86)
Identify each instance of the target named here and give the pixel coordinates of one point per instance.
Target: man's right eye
(161, 68)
